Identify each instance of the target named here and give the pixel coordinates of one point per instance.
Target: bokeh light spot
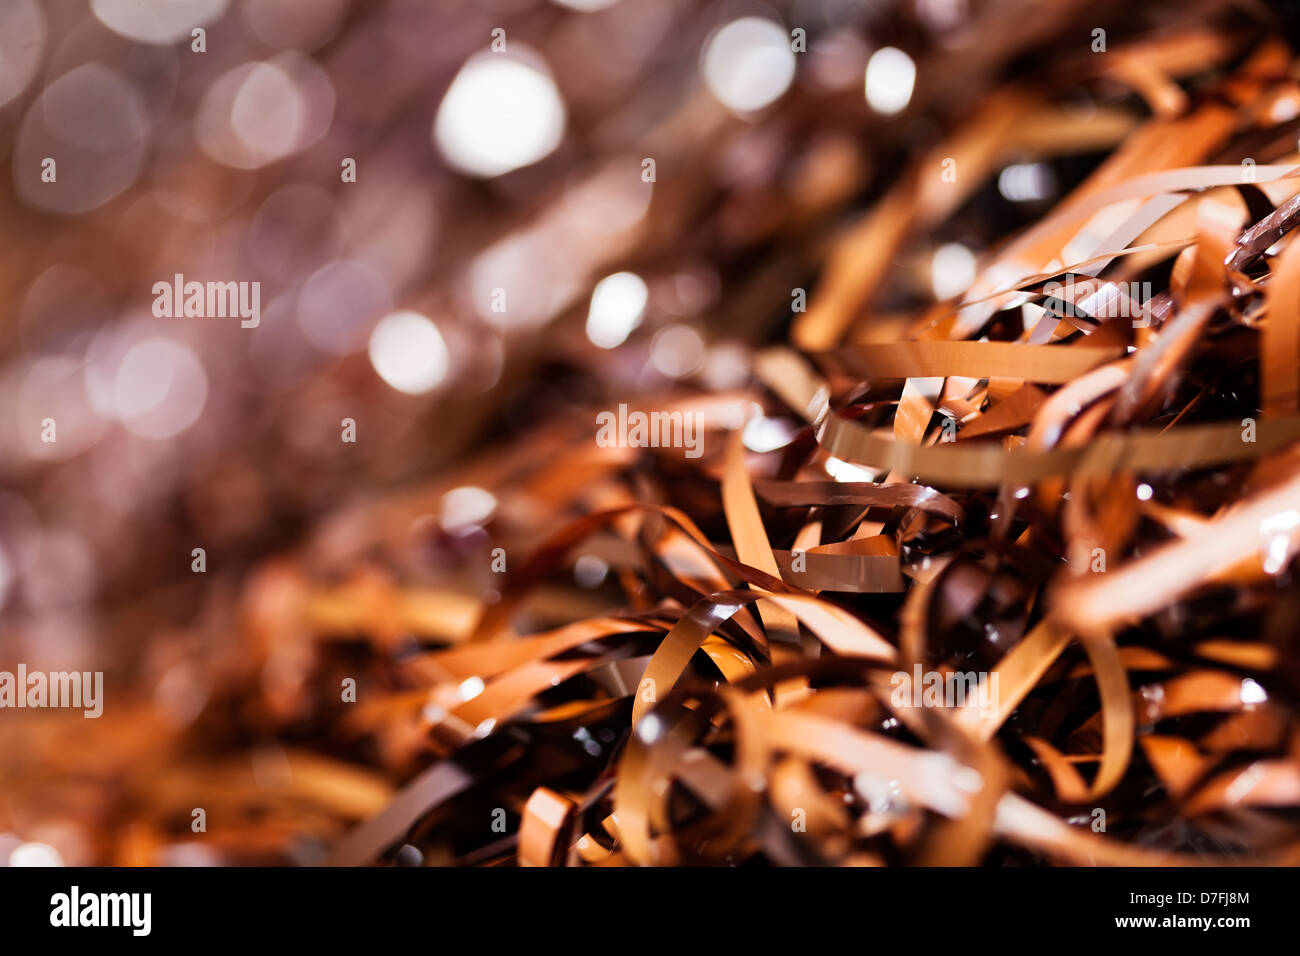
(501, 113)
(409, 353)
(749, 64)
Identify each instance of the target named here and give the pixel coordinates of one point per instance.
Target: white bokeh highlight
(952, 270)
(409, 353)
(749, 64)
(502, 112)
(891, 76)
(617, 305)
(466, 507)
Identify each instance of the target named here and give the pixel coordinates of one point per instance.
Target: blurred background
(467, 218)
